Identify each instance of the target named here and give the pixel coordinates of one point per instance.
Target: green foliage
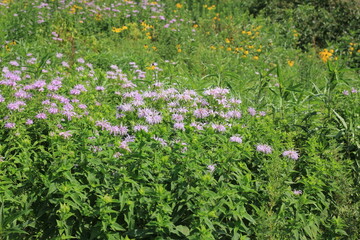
(71, 176)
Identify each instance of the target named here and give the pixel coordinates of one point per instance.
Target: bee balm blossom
(66, 134)
(291, 154)
(211, 167)
(252, 111)
(297, 192)
(264, 149)
(9, 125)
(236, 139)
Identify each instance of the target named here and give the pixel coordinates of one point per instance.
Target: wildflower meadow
(208, 119)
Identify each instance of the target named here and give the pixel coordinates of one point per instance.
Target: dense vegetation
(179, 120)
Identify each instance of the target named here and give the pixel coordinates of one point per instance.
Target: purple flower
(16, 105)
(75, 91)
(297, 192)
(291, 154)
(179, 125)
(9, 125)
(153, 119)
(53, 110)
(2, 99)
(99, 88)
(80, 60)
(211, 167)
(80, 87)
(29, 122)
(217, 92)
(82, 106)
(118, 130)
(252, 111)
(262, 113)
(65, 64)
(346, 92)
(66, 134)
(127, 107)
(140, 128)
(39, 84)
(201, 113)
(177, 117)
(353, 90)
(117, 155)
(160, 140)
(41, 116)
(264, 148)
(218, 127)
(14, 63)
(236, 139)
(22, 94)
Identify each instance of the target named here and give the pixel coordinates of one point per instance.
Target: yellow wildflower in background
(74, 9)
(211, 7)
(290, 63)
(152, 67)
(118, 30)
(179, 5)
(325, 55)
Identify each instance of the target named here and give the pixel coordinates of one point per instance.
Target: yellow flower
(290, 63)
(212, 47)
(211, 7)
(98, 17)
(117, 30)
(146, 46)
(227, 40)
(179, 5)
(255, 57)
(152, 67)
(325, 55)
(228, 49)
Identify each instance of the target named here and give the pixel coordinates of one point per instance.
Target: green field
(206, 119)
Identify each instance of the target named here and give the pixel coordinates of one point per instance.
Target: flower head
(291, 154)
(264, 148)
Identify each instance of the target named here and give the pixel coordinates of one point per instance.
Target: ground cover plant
(178, 120)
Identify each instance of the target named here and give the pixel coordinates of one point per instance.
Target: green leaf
(183, 229)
